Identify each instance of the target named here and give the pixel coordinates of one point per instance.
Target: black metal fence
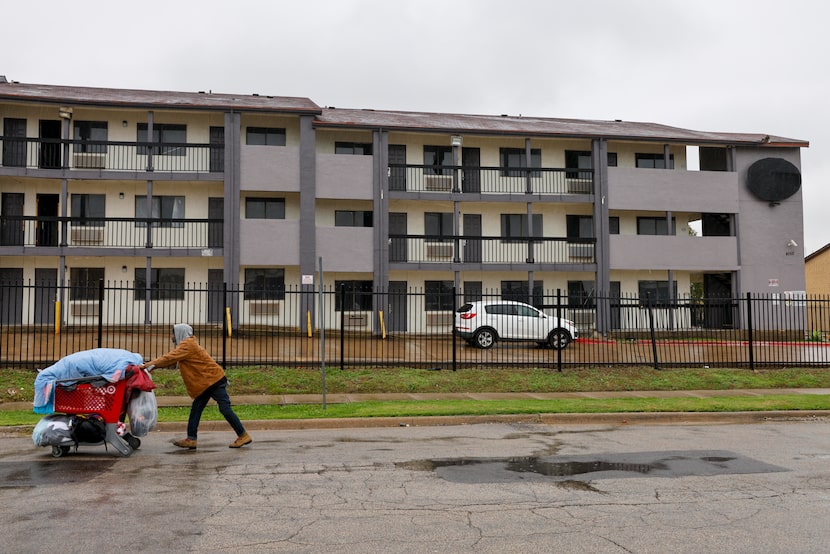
(349, 327)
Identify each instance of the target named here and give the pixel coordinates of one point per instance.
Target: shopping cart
(86, 396)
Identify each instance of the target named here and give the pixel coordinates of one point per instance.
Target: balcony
(489, 180)
(673, 190)
(129, 233)
(674, 252)
(422, 249)
(99, 156)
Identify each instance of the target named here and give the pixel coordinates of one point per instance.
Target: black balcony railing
(489, 180)
(490, 250)
(37, 153)
(111, 232)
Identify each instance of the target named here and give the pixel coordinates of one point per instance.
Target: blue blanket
(109, 363)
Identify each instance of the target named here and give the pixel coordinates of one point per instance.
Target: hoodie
(199, 370)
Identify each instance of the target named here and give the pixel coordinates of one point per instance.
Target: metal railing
(42, 322)
(111, 232)
(89, 155)
(490, 250)
(489, 180)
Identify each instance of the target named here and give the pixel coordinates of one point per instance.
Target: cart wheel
(134, 442)
(58, 451)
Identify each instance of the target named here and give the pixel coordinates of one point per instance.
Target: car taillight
(468, 315)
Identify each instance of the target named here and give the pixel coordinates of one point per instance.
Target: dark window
(168, 139)
(168, 209)
(264, 284)
(654, 226)
(513, 160)
(472, 291)
(357, 296)
(518, 290)
(85, 282)
(436, 158)
(265, 208)
(265, 136)
(438, 296)
(655, 292)
(93, 136)
(581, 294)
(514, 227)
(88, 210)
(168, 284)
(613, 225)
(578, 160)
(438, 226)
(352, 218)
(653, 161)
(580, 226)
(353, 148)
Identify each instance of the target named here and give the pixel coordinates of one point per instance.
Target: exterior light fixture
(456, 140)
(65, 112)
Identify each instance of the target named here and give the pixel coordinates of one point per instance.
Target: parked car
(486, 322)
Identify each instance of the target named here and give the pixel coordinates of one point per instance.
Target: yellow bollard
(58, 317)
(308, 322)
(228, 319)
(382, 325)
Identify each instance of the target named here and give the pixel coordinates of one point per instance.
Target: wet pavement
(496, 487)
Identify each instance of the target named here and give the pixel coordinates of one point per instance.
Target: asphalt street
(517, 486)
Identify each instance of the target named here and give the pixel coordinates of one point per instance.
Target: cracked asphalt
(485, 487)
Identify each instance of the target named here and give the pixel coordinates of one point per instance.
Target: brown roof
(537, 126)
(153, 99)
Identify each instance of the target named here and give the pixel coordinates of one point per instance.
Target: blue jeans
(219, 393)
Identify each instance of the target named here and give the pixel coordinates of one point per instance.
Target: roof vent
(3, 79)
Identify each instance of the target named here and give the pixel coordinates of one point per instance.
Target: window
(264, 284)
(88, 210)
(579, 226)
(581, 294)
(513, 159)
(653, 161)
(613, 225)
(167, 139)
(438, 226)
(438, 296)
(655, 292)
(167, 284)
(356, 296)
(352, 218)
(654, 226)
(265, 208)
(86, 131)
(514, 227)
(84, 282)
(353, 148)
(167, 210)
(582, 160)
(472, 291)
(265, 136)
(435, 158)
(519, 291)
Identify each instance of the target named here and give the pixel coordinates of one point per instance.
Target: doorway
(50, 145)
(46, 230)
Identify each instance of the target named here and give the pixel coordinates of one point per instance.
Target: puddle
(591, 467)
(52, 472)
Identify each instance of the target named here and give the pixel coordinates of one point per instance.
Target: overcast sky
(755, 66)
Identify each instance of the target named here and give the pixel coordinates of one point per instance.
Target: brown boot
(240, 441)
(186, 443)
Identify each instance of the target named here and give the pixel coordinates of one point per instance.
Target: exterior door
(215, 299)
(717, 301)
(14, 145)
(397, 245)
(46, 294)
(217, 149)
(50, 146)
(47, 220)
(396, 313)
(470, 170)
(397, 167)
(11, 216)
(472, 245)
(11, 296)
(216, 227)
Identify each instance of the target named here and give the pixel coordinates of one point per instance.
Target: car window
(499, 309)
(527, 311)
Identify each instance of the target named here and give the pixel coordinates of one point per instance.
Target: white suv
(486, 322)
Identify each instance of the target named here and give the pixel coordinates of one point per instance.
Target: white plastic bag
(143, 413)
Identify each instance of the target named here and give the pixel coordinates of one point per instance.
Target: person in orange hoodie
(204, 379)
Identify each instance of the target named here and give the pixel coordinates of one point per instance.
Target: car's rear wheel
(559, 339)
(485, 338)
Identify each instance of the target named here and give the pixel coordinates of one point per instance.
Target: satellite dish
(773, 179)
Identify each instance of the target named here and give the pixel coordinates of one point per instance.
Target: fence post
(343, 326)
(650, 302)
(225, 304)
(100, 312)
(559, 317)
(749, 330)
(454, 337)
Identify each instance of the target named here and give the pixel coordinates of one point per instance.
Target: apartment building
(161, 189)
